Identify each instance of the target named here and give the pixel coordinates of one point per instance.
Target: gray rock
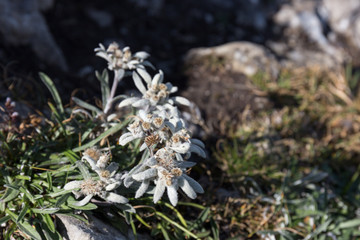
(240, 57)
(220, 82)
(304, 35)
(22, 23)
(71, 228)
(344, 19)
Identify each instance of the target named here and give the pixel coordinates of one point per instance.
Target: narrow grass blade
(24, 226)
(176, 224)
(86, 105)
(105, 134)
(55, 94)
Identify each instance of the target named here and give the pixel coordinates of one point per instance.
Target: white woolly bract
(113, 197)
(142, 189)
(72, 185)
(172, 194)
(194, 184)
(159, 190)
(149, 173)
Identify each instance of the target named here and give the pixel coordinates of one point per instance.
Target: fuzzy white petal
(142, 189)
(181, 100)
(141, 55)
(72, 185)
(128, 101)
(91, 162)
(159, 190)
(181, 148)
(150, 161)
(149, 173)
(113, 197)
(128, 181)
(112, 186)
(172, 194)
(141, 103)
(185, 186)
(138, 83)
(84, 201)
(125, 140)
(145, 75)
(194, 184)
(158, 78)
(143, 147)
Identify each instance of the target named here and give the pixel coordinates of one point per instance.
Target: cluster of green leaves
(35, 168)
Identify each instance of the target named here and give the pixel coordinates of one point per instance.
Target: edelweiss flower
(146, 126)
(90, 188)
(120, 59)
(108, 179)
(167, 173)
(156, 93)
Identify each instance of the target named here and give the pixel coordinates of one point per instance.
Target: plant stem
(116, 81)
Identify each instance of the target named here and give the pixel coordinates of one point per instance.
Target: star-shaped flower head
(107, 180)
(167, 173)
(121, 58)
(155, 93)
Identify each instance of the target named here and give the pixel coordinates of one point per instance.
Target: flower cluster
(168, 142)
(120, 58)
(107, 180)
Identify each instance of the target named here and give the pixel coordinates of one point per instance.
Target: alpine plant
(165, 139)
(166, 142)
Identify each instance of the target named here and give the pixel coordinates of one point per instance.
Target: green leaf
(24, 226)
(73, 157)
(84, 170)
(182, 220)
(104, 83)
(27, 194)
(62, 200)
(61, 192)
(9, 195)
(72, 203)
(49, 222)
(321, 228)
(50, 85)
(4, 219)
(105, 134)
(49, 179)
(22, 213)
(77, 217)
(164, 232)
(45, 210)
(52, 162)
(22, 177)
(176, 224)
(215, 229)
(49, 235)
(86, 105)
(349, 224)
(87, 207)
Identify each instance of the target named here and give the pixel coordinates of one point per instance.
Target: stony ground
(280, 114)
